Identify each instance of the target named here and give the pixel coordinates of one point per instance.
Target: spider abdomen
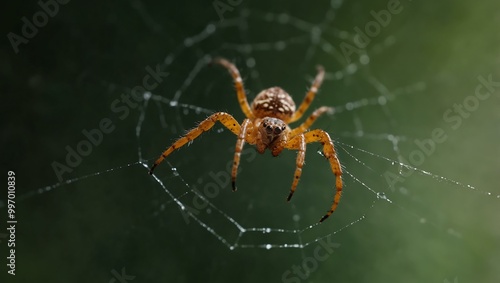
(273, 102)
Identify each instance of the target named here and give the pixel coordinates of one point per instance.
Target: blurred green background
(113, 216)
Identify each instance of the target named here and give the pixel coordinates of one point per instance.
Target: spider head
(272, 131)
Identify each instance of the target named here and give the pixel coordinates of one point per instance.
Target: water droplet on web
(349, 106)
(268, 230)
(268, 246)
(250, 62)
(173, 103)
(351, 68)
(174, 171)
(381, 195)
(210, 28)
(364, 59)
(382, 100)
(169, 59)
(147, 95)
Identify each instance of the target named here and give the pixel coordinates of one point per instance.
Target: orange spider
(266, 126)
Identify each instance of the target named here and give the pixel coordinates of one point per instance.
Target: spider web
(382, 112)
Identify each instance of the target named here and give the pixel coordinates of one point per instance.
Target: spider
(266, 127)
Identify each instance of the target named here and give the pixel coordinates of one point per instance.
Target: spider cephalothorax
(272, 134)
(266, 126)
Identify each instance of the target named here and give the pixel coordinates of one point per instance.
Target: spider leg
(311, 119)
(239, 147)
(329, 151)
(226, 119)
(238, 83)
(299, 143)
(310, 95)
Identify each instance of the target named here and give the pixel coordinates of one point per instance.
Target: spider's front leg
(226, 119)
(330, 154)
(299, 143)
(243, 135)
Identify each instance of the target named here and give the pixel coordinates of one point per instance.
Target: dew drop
(364, 59)
(382, 100)
(210, 28)
(351, 68)
(349, 106)
(250, 62)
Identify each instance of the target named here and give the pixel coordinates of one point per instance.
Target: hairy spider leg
(329, 151)
(331, 155)
(310, 120)
(239, 147)
(238, 83)
(226, 119)
(298, 143)
(310, 95)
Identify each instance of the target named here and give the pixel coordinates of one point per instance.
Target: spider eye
(277, 131)
(269, 129)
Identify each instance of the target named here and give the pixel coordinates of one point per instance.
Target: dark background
(111, 214)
